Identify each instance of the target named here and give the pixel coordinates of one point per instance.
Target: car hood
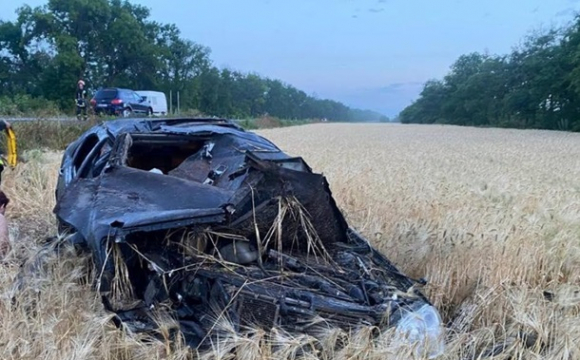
(125, 200)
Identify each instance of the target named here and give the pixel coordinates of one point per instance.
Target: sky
(371, 54)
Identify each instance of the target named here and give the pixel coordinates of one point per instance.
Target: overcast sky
(372, 54)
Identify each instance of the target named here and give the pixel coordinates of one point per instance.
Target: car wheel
(127, 112)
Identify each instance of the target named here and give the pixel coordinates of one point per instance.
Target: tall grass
(490, 217)
(47, 134)
(56, 135)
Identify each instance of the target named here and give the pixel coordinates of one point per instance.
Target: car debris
(205, 219)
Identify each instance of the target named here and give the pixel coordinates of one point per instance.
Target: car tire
(127, 112)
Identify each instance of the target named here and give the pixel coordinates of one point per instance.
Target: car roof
(176, 124)
(173, 125)
(114, 88)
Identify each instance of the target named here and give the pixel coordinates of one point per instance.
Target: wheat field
(490, 217)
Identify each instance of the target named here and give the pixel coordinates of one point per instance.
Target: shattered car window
(205, 220)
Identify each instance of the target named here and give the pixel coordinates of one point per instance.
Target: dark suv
(116, 101)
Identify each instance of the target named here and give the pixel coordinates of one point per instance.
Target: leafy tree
(535, 86)
(115, 43)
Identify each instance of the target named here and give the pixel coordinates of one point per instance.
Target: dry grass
(490, 217)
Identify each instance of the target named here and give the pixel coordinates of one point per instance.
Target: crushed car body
(198, 216)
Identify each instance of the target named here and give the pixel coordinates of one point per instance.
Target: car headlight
(422, 330)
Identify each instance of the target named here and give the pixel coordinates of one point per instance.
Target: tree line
(537, 85)
(114, 43)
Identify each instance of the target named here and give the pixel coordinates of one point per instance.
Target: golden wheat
(490, 217)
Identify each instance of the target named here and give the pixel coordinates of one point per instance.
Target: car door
(127, 98)
(140, 104)
(77, 162)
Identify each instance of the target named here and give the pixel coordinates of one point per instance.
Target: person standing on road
(4, 235)
(81, 100)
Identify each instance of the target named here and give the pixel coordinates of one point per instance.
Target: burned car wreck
(206, 219)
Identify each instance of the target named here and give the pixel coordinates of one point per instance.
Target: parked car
(156, 100)
(119, 102)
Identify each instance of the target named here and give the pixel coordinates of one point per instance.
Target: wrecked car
(199, 216)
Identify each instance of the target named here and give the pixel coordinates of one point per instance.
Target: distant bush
(26, 105)
(267, 122)
(248, 124)
(189, 112)
(270, 122)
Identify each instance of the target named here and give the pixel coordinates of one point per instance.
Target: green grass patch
(26, 105)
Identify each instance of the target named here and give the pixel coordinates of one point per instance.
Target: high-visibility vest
(11, 148)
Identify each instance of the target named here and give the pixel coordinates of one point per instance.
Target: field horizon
(490, 217)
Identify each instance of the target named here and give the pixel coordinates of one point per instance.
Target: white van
(156, 100)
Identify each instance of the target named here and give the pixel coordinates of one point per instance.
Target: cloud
(376, 10)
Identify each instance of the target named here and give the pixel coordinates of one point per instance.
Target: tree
(536, 86)
(114, 43)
